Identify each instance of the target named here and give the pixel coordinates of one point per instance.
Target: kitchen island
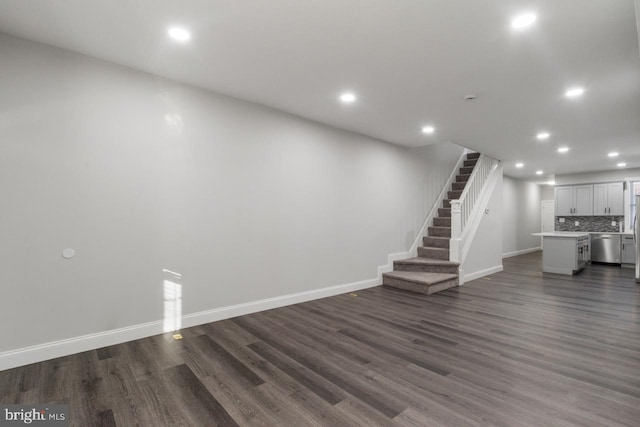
(564, 252)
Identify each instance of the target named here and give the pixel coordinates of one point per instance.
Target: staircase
(431, 271)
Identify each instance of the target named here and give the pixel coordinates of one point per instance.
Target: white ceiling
(409, 61)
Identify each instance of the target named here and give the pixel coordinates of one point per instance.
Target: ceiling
(410, 63)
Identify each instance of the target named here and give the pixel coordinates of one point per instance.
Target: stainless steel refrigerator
(636, 237)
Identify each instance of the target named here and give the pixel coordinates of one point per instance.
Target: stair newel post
(456, 232)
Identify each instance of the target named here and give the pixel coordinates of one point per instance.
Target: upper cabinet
(583, 199)
(608, 199)
(574, 200)
(564, 201)
(590, 199)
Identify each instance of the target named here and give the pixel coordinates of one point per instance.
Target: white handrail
(463, 208)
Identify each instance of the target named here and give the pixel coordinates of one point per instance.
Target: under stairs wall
(521, 212)
(485, 255)
(254, 208)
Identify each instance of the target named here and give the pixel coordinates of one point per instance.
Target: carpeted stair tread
(439, 231)
(426, 265)
(426, 261)
(439, 237)
(442, 221)
(431, 252)
(427, 279)
(436, 242)
(466, 170)
(473, 156)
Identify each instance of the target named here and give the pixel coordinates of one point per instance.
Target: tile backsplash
(589, 223)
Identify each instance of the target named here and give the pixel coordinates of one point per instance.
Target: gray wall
(521, 212)
(139, 174)
(604, 176)
(485, 253)
(547, 192)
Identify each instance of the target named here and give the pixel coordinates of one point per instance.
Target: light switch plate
(613, 223)
(577, 223)
(561, 220)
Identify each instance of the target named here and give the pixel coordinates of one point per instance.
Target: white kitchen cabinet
(574, 200)
(600, 199)
(564, 201)
(616, 198)
(564, 253)
(583, 200)
(608, 199)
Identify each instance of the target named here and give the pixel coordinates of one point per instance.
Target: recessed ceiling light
(613, 154)
(543, 135)
(621, 164)
(539, 172)
(574, 92)
(178, 33)
(563, 149)
(348, 97)
(551, 183)
(519, 165)
(428, 130)
(523, 21)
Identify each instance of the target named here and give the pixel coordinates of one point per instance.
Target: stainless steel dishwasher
(605, 248)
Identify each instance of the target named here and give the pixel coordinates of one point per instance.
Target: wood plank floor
(518, 348)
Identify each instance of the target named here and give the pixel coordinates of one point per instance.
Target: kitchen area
(590, 228)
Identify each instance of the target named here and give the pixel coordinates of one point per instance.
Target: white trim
(222, 313)
(437, 203)
(521, 252)
(38, 353)
(483, 273)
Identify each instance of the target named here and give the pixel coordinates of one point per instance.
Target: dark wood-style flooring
(518, 348)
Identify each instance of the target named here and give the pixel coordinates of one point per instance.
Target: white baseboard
(39, 353)
(486, 272)
(228, 312)
(521, 252)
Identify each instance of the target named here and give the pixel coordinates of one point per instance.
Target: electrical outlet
(561, 220)
(577, 223)
(613, 223)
